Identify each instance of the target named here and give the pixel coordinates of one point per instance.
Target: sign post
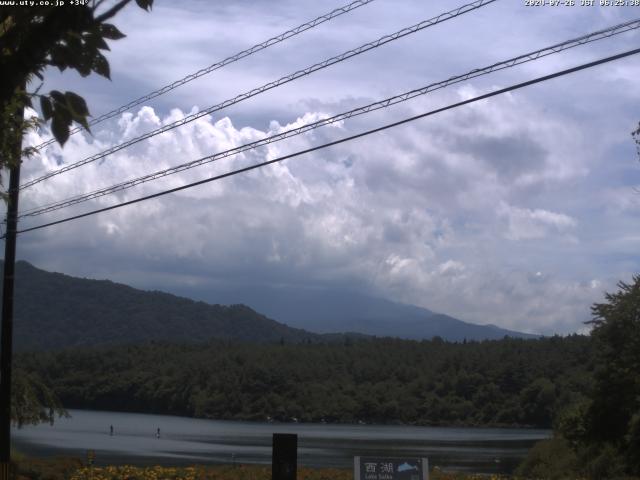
(284, 461)
(390, 468)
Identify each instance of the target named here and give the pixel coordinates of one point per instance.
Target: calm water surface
(188, 441)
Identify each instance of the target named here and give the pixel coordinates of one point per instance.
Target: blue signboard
(378, 468)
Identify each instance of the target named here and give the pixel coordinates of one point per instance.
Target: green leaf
(145, 4)
(62, 110)
(45, 106)
(101, 66)
(83, 121)
(96, 41)
(109, 31)
(59, 57)
(60, 129)
(78, 109)
(77, 104)
(83, 65)
(58, 96)
(74, 45)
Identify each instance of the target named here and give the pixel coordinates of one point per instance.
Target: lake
(196, 441)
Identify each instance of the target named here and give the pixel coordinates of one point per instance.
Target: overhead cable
(342, 140)
(527, 57)
(233, 58)
(256, 91)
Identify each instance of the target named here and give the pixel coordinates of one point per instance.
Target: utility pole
(6, 340)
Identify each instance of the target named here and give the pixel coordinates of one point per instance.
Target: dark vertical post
(284, 458)
(6, 340)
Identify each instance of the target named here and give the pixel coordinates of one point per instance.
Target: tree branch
(112, 11)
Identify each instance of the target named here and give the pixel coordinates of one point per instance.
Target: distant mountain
(54, 311)
(325, 310)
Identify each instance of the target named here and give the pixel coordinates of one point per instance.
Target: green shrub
(550, 459)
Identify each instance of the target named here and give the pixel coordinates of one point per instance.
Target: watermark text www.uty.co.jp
(42, 3)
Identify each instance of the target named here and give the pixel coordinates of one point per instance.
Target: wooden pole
(6, 339)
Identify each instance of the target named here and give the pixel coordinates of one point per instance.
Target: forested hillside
(506, 382)
(69, 312)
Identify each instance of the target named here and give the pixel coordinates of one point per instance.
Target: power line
(233, 58)
(528, 57)
(342, 140)
(283, 80)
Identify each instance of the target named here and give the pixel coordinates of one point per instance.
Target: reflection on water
(188, 441)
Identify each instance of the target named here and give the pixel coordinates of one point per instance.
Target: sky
(520, 210)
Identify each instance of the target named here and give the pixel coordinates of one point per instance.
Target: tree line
(599, 436)
(510, 382)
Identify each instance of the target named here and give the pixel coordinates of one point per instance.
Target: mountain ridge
(70, 312)
(324, 310)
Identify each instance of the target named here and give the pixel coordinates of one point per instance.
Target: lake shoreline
(188, 441)
(302, 422)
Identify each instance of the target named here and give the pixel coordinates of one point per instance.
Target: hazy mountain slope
(336, 310)
(53, 310)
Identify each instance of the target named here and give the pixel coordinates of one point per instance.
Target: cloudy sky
(520, 210)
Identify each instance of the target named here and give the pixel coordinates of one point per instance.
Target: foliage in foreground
(241, 472)
(600, 437)
(35, 37)
(551, 459)
(32, 401)
(72, 469)
(612, 420)
(43, 35)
